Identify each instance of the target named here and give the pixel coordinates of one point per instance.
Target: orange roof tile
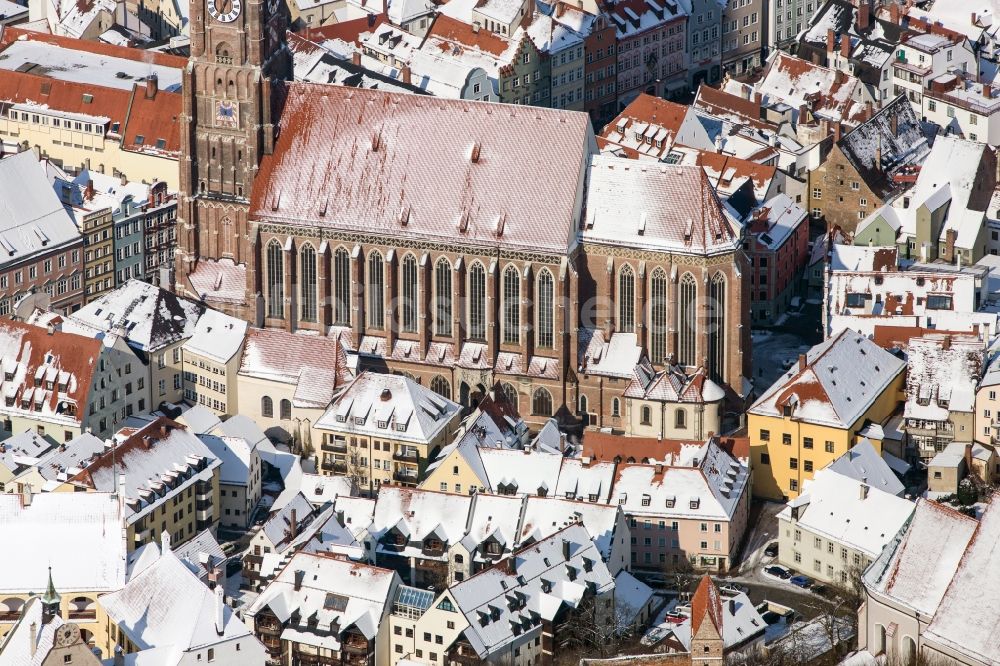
(447, 28)
(706, 604)
(11, 34)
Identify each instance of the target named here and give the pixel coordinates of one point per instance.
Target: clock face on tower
(225, 11)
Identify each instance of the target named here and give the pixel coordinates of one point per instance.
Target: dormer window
(341, 418)
(383, 424)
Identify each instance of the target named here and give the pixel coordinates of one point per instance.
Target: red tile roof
(606, 446)
(720, 164)
(436, 169)
(720, 103)
(453, 30)
(706, 604)
(348, 31)
(33, 348)
(11, 34)
(651, 111)
(155, 120)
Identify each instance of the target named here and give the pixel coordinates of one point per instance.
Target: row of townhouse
(575, 56)
(525, 608)
(89, 234)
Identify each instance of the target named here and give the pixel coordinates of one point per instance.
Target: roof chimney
(88, 192)
(356, 58)
(831, 40)
(732, 606)
(845, 46)
(220, 608)
(863, 490)
(152, 85)
(565, 549)
(894, 12)
(836, 131)
(293, 526)
(165, 541)
(299, 576)
(864, 15)
(33, 637)
(968, 458)
(404, 74)
(802, 362)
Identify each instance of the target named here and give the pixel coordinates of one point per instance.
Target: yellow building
(384, 429)
(458, 468)
(170, 482)
(76, 538)
(287, 380)
(117, 120)
(212, 361)
(813, 413)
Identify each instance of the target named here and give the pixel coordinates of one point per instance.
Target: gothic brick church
(472, 246)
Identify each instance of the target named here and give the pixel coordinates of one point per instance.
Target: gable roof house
(943, 371)
(837, 526)
(167, 615)
(931, 588)
(649, 127)
(869, 166)
(58, 383)
(323, 603)
(838, 387)
(286, 378)
(38, 230)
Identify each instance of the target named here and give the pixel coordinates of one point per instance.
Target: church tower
(237, 50)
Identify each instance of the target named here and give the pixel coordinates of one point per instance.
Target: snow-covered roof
(69, 458)
(891, 140)
(166, 604)
(542, 516)
(237, 456)
(418, 515)
(537, 582)
(943, 371)
(616, 357)
(24, 450)
(849, 512)
(336, 592)
(508, 470)
(631, 596)
(776, 220)
(952, 455)
(393, 405)
(98, 67)
(710, 489)
(217, 336)
(91, 522)
(315, 364)
(916, 569)
(202, 553)
(656, 206)
(320, 489)
(39, 223)
(838, 381)
(31, 640)
(150, 466)
(829, 94)
(149, 317)
(585, 479)
(968, 615)
(863, 463)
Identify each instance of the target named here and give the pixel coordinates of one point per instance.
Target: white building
(239, 479)
(168, 616)
(837, 526)
(924, 57)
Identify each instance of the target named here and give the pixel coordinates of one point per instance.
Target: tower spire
(51, 601)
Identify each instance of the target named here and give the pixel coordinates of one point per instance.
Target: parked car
(772, 549)
(734, 588)
(805, 582)
(777, 571)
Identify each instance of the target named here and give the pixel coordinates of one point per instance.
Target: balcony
(82, 615)
(407, 455)
(202, 505)
(203, 488)
(334, 466)
(355, 645)
(403, 475)
(335, 447)
(463, 654)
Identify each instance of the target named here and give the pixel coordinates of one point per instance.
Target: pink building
(40, 246)
(778, 247)
(694, 507)
(651, 42)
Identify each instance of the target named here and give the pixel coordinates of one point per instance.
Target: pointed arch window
(626, 300)
(507, 393)
(275, 280)
(511, 306)
(541, 403)
(408, 291)
(658, 316)
(687, 321)
(717, 327)
(442, 297)
(307, 272)
(441, 386)
(477, 302)
(376, 290)
(341, 287)
(545, 305)
(228, 236)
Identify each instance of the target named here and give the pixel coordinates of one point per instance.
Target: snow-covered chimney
(220, 606)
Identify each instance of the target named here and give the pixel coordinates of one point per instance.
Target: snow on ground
(772, 354)
(810, 640)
